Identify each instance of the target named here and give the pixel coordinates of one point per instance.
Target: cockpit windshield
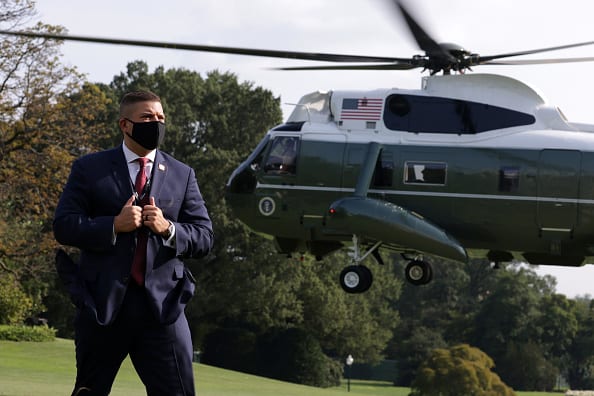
(282, 158)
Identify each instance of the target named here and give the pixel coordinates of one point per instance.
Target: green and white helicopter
(467, 166)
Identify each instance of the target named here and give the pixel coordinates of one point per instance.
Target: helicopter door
(558, 189)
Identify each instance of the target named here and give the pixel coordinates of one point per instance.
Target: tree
(505, 312)
(558, 326)
(41, 107)
(509, 312)
(416, 343)
(295, 355)
(524, 366)
(459, 370)
(438, 314)
(580, 372)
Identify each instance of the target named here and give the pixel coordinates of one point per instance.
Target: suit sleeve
(193, 228)
(74, 224)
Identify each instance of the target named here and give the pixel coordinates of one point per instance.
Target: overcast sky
(361, 27)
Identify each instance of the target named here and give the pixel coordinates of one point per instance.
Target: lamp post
(349, 362)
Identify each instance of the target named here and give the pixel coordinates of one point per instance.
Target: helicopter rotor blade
(382, 66)
(424, 40)
(539, 61)
(210, 48)
(445, 57)
(484, 59)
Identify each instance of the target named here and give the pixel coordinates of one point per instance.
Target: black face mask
(148, 134)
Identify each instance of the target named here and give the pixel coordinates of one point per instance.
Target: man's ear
(123, 124)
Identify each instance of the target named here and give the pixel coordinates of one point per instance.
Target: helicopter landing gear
(418, 272)
(357, 278)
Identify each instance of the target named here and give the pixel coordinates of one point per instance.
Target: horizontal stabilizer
(394, 225)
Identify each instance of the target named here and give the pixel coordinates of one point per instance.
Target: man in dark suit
(134, 212)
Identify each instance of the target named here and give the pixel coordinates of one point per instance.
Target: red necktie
(139, 262)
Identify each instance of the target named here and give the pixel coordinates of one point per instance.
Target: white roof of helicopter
(491, 89)
(362, 111)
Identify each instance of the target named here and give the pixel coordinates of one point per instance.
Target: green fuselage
(507, 203)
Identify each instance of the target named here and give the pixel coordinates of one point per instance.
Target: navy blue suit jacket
(98, 187)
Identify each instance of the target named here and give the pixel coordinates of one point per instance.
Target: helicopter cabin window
(282, 158)
(509, 179)
(384, 170)
(419, 172)
(428, 114)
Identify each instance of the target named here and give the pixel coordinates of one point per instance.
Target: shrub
(27, 333)
(459, 370)
(15, 304)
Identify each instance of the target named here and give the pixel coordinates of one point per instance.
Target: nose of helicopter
(241, 186)
(239, 192)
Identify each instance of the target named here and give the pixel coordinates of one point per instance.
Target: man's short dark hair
(135, 97)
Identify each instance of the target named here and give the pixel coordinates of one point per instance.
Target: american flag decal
(366, 109)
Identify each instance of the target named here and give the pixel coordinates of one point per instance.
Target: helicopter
(468, 166)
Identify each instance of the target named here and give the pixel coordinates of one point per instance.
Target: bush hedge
(27, 333)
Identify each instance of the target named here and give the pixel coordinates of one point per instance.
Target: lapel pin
(161, 167)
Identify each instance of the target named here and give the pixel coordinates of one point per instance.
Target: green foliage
(459, 370)
(48, 117)
(15, 304)
(510, 313)
(294, 355)
(59, 309)
(416, 343)
(438, 314)
(580, 372)
(291, 354)
(231, 348)
(525, 367)
(27, 333)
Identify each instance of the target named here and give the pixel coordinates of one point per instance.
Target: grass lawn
(48, 368)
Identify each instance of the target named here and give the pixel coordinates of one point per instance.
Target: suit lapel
(120, 172)
(159, 173)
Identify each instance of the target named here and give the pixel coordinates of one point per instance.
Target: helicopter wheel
(418, 272)
(356, 279)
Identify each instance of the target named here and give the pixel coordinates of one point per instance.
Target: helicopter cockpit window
(282, 158)
(430, 114)
(425, 173)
